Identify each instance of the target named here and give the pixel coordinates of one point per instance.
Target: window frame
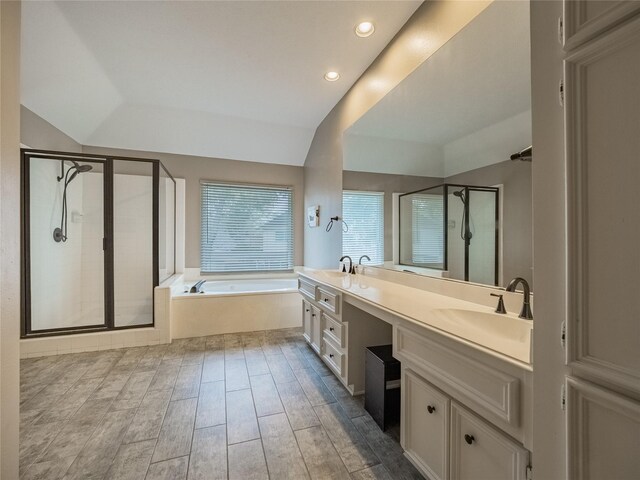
(265, 186)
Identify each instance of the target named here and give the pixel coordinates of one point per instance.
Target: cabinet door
(425, 426)
(480, 452)
(585, 19)
(316, 328)
(602, 118)
(306, 321)
(603, 433)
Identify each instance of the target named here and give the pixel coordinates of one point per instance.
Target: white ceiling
(468, 105)
(230, 79)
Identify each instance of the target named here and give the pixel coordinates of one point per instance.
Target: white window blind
(246, 228)
(428, 230)
(363, 212)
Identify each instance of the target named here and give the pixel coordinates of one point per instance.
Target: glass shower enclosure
(98, 234)
(452, 228)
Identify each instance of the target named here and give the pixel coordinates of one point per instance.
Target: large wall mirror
(437, 175)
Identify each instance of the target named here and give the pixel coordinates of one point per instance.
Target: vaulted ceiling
(228, 79)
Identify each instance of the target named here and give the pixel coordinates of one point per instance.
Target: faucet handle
(500, 308)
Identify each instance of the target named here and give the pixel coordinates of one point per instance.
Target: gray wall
(517, 231)
(194, 169)
(389, 184)
(437, 21)
(36, 132)
(9, 238)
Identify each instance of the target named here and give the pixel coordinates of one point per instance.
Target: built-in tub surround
(234, 305)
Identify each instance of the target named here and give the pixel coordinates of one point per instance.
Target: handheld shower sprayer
(60, 233)
(465, 230)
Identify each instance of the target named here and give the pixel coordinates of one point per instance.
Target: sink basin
(505, 334)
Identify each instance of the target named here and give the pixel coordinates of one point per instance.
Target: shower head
(460, 195)
(75, 170)
(525, 155)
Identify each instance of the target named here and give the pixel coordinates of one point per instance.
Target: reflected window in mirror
(363, 214)
(427, 233)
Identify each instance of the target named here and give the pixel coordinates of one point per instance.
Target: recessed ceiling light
(364, 29)
(331, 76)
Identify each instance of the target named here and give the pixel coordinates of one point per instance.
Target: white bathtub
(239, 287)
(231, 306)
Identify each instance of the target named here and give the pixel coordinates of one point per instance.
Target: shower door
(93, 231)
(64, 228)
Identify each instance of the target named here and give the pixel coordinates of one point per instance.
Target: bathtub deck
(252, 405)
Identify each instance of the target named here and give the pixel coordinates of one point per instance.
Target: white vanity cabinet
(465, 414)
(324, 330)
(327, 320)
(445, 441)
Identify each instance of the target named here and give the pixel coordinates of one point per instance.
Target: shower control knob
(306, 310)
(469, 438)
(331, 329)
(331, 355)
(431, 408)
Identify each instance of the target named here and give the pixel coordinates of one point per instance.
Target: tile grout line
(195, 416)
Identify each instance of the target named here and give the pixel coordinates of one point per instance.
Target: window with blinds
(246, 228)
(363, 212)
(427, 230)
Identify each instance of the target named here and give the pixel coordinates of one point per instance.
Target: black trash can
(382, 385)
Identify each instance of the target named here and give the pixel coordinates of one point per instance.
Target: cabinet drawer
(333, 357)
(307, 288)
(336, 331)
(481, 387)
(480, 452)
(425, 426)
(328, 300)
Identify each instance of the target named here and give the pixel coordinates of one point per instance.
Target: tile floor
(242, 406)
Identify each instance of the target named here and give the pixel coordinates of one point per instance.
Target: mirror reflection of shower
(60, 233)
(466, 232)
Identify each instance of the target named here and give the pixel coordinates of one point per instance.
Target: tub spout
(197, 286)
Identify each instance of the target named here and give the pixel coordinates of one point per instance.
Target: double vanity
(466, 386)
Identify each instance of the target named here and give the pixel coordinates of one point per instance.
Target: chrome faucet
(526, 307)
(352, 269)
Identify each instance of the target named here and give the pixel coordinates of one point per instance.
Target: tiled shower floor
(241, 406)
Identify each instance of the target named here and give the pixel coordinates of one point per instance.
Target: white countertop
(505, 335)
